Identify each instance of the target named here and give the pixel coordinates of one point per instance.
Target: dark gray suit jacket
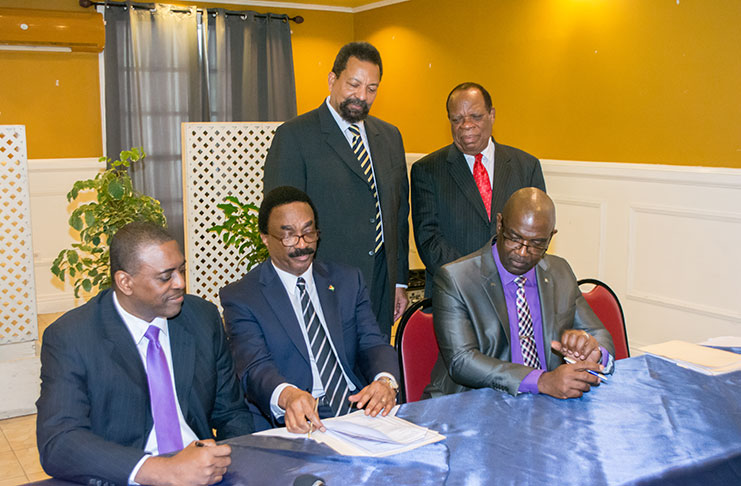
(266, 339)
(94, 415)
(472, 325)
(311, 153)
(448, 214)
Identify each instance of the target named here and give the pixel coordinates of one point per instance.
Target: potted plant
(116, 204)
(240, 229)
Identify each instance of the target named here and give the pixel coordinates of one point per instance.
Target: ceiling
(331, 5)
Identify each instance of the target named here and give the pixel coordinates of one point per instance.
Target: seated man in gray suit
(303, 333)
(506, 314)
(458, 190)
(141, 369)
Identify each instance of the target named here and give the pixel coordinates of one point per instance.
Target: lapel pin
(331, 288)
(545, 280)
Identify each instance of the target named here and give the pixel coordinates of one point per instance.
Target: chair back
(606, 305)
(417, 348)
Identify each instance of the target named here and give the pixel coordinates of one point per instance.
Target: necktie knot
(301, 284)
(478, 158)
(520, 281)
(153, 333)
(354, 129)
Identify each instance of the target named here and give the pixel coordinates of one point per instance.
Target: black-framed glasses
(293, 240)
(515, 243)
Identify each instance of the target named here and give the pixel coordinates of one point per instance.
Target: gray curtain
(161, 70)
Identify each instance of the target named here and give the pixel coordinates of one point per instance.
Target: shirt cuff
(402, 286)
(388, 375)
(530, 383)
(608, 361)
(274, 407)
(136, 469)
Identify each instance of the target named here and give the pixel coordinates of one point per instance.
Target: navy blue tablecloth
(654, 423)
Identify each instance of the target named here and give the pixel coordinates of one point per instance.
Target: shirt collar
(341, 122)
(289, 280)
(488, 154)
(506, 277)
(138, 327)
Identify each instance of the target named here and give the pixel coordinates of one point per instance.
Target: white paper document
(357, 434)
(699, 358)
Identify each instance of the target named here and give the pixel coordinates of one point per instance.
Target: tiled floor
(19, 457)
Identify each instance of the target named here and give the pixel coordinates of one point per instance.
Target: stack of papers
(702, 359)
(357, 434)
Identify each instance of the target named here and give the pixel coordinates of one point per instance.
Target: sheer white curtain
(161, 70)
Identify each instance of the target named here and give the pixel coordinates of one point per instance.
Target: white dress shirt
(487, 160)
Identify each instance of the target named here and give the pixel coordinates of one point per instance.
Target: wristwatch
(390, 382)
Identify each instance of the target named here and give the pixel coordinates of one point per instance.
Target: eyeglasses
(515, 243)
(461, 119)
(293, 240)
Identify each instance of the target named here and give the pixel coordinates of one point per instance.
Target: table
(654, 423)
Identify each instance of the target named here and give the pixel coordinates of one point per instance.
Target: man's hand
(400, 302)
(299, 407)
(569, 380)
(375, 397)
(578, 345)
(193, 466)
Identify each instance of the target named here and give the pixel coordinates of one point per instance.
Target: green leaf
(87, 285)
(115, 189)
(75, 221)
(72, 257)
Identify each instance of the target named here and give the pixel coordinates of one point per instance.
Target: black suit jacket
(448, 214)
(311, 153)
(94, 415)
(266, 339)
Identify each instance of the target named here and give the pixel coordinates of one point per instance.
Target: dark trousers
(382, 297)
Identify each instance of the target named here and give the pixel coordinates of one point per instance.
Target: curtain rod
(89, 3)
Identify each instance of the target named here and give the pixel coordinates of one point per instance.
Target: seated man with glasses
(303, 334)
(507, 316)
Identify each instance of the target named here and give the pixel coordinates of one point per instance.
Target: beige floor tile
(20, 431)
(10, 468)
(29, 459)
(13, 481)
(37, 476)
(4, 444)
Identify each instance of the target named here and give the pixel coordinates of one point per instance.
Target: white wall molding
(312, 6)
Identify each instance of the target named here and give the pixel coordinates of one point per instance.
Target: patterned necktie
(162, 396)
(365, 165)
(525, 325)
(481, 176)
(333, 380)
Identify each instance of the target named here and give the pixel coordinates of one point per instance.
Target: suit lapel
(277, 298)
(502, 169)
(493, 287)
(335, 139)
(330, 308)
(460, 173)
(183, 350)
(546, 293)
(120, 344)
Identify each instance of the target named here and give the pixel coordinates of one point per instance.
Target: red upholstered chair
(606, 305)
(417, 347)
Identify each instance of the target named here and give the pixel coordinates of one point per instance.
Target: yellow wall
(647, 81)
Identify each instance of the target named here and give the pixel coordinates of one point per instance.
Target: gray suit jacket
(472, 325)
(94, 415)
(448, 214)
(311, 153)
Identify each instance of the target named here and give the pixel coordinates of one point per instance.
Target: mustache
(298, 252)
(354, 116)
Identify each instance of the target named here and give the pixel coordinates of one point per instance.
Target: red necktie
(482, 182)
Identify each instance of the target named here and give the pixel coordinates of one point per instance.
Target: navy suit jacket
(267, 343)
(448, 214)
(94, 414)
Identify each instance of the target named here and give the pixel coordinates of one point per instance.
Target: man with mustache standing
(353, 167)
(302, 332)
(140, 371)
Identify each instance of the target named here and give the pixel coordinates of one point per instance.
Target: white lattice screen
(17, 291)
(219, 160)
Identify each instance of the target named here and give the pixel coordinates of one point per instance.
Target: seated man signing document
(507, 315)
(304, 337)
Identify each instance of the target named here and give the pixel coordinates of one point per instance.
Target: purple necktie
(525, 325)
(162, 396)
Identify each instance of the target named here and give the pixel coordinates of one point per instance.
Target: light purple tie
(162, 396)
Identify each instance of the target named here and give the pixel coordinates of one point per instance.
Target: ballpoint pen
(316, 409)
(591, 372)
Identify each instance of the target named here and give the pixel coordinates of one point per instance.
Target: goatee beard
(354, 116)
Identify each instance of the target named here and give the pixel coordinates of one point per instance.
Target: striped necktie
(525, 326)
(334, 383)
(365, 165)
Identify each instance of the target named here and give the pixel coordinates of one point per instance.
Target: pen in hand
(591, 372)
(316, 409)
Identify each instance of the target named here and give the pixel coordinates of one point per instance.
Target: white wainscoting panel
(668, 242)
(50, 181)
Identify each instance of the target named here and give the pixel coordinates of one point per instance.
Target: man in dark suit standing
(507, 314)
(302, 331)
(352, 166)
(458, 190)
(141, 369)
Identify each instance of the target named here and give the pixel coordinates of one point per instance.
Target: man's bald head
(524, 229)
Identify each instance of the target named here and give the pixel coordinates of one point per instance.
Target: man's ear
(264, 239)
(331, 79)
(499, 222)
(124, 282)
